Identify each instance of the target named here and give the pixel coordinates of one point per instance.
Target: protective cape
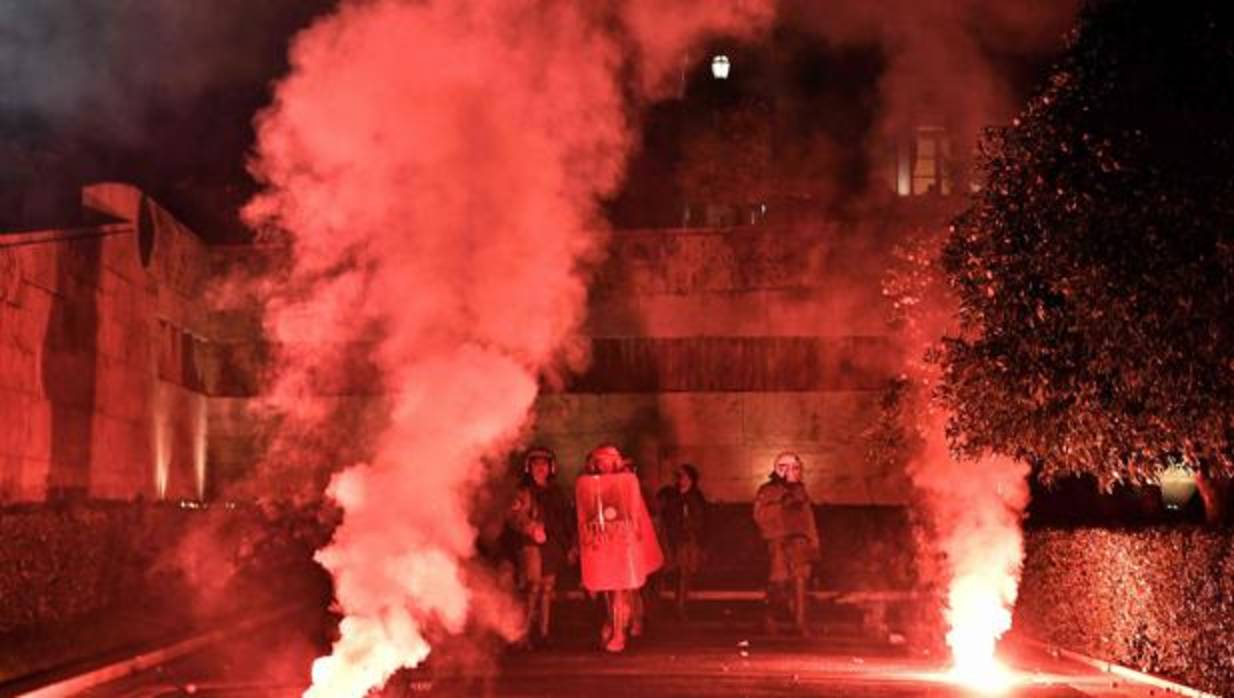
(617, 543)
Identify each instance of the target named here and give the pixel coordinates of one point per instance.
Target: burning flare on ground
(436, 166)
(977, 508)
(978, 615)
(973, 509)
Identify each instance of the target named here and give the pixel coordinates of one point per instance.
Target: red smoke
(436, 166)
(942, 58)
(973, 507)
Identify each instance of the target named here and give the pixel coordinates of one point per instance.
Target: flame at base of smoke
(981, 596)
(443, 227)
(369, 652)
(975, 507)
(991, 677)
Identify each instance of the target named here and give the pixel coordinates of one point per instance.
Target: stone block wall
(101, 355)
(732, 437)
(724, 347)
(718, 347)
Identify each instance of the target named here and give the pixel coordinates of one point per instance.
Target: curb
(1118, 670)
(849, 597)
(116, 670)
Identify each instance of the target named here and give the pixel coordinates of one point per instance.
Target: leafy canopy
(1095, 267)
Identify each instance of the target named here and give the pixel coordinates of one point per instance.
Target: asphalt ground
(724, 653)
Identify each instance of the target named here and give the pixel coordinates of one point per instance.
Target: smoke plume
(945, 62)
(436, 166)
(949, 64)
(976, 508)
(971, 510)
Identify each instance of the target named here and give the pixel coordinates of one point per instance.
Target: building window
(921, 163)
(932, 153)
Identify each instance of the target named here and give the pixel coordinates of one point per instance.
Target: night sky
(158, 92)
(162, 93)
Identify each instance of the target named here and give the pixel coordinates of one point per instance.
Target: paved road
(699, 660)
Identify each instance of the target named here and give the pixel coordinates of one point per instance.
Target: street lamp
(1177, 485)
(720, 66)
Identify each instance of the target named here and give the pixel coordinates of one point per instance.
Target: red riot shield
(617, 543)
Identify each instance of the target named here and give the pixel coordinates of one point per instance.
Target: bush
(1159, 599)
(61, 562)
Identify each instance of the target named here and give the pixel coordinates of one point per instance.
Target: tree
(1095, 267)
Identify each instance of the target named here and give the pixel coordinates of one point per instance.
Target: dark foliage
(1095, 267)
(63, 562)
(80, 580)
(1159, 600)
(60, 563)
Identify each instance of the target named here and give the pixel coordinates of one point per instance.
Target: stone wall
(103, 355)
(723, 347)
(719, 347)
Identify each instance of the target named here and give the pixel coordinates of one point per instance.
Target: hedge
(1157, 599)
(62, 562)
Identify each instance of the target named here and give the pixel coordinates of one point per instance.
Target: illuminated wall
(720, 347)
(723, 347)
(102, 355)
